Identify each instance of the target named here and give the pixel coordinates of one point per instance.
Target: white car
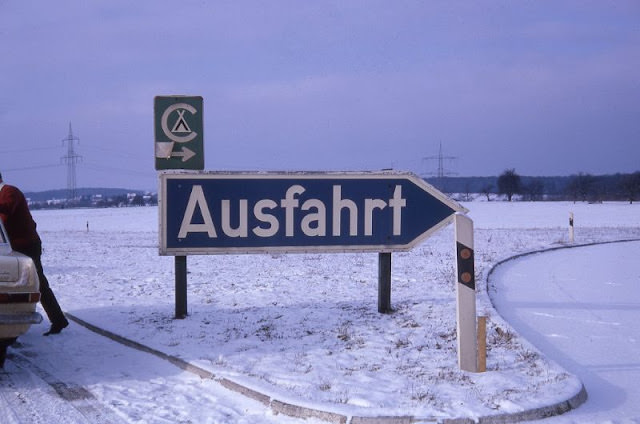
(19, 294)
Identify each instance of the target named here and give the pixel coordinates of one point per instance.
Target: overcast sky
(545, 87)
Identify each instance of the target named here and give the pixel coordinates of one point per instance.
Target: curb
(528, 415)
(297, 411)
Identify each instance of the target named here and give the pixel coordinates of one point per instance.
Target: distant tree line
(97, 201)
(582, 187)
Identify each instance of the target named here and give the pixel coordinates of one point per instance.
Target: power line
(101, 168)
(32, 149)
(85, 165)
(110, 151)
(26, 168)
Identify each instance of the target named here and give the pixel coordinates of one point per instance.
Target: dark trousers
(47, 298)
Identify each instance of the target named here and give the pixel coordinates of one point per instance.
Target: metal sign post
(384, 282)
(181, 286)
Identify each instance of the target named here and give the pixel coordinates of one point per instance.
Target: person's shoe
(56, 328)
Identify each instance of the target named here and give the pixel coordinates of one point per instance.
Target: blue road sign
(217, 213)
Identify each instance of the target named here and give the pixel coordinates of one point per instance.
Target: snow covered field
(302, 328)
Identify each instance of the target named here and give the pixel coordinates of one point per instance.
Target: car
(19, 294)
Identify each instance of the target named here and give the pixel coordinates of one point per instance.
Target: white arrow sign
(186, 154)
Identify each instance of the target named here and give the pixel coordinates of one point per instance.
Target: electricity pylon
(441, 172)
(71, 158)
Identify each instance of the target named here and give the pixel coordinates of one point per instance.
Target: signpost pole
(384, 282)
(181, 286)
(466, 295)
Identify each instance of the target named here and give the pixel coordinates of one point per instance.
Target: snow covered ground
(301, 328)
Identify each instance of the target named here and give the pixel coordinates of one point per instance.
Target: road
(581, 307)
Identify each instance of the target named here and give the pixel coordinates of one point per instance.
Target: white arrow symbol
(185, 153)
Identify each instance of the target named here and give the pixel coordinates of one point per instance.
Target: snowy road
(581, 307)
(100, 381)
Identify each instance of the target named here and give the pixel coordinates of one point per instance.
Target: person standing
(24, 238)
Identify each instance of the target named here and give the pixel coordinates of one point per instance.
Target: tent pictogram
(181, 125)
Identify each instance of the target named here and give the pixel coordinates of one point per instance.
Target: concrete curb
(297, 411)
(245, 391)
(387, 420)
(528, 415)
(291, 410)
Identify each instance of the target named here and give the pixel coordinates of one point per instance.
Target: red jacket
(17, 219)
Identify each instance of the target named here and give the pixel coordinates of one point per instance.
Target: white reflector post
(466, 294)
(571, 227)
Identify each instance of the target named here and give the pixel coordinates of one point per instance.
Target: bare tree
(509, 183)
(534, 190)
(581, 187)
(487, 190)
(630, 186)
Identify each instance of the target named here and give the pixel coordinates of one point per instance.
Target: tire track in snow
(129, 385)
(25, 398)
(14, 407)
(74, 396)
